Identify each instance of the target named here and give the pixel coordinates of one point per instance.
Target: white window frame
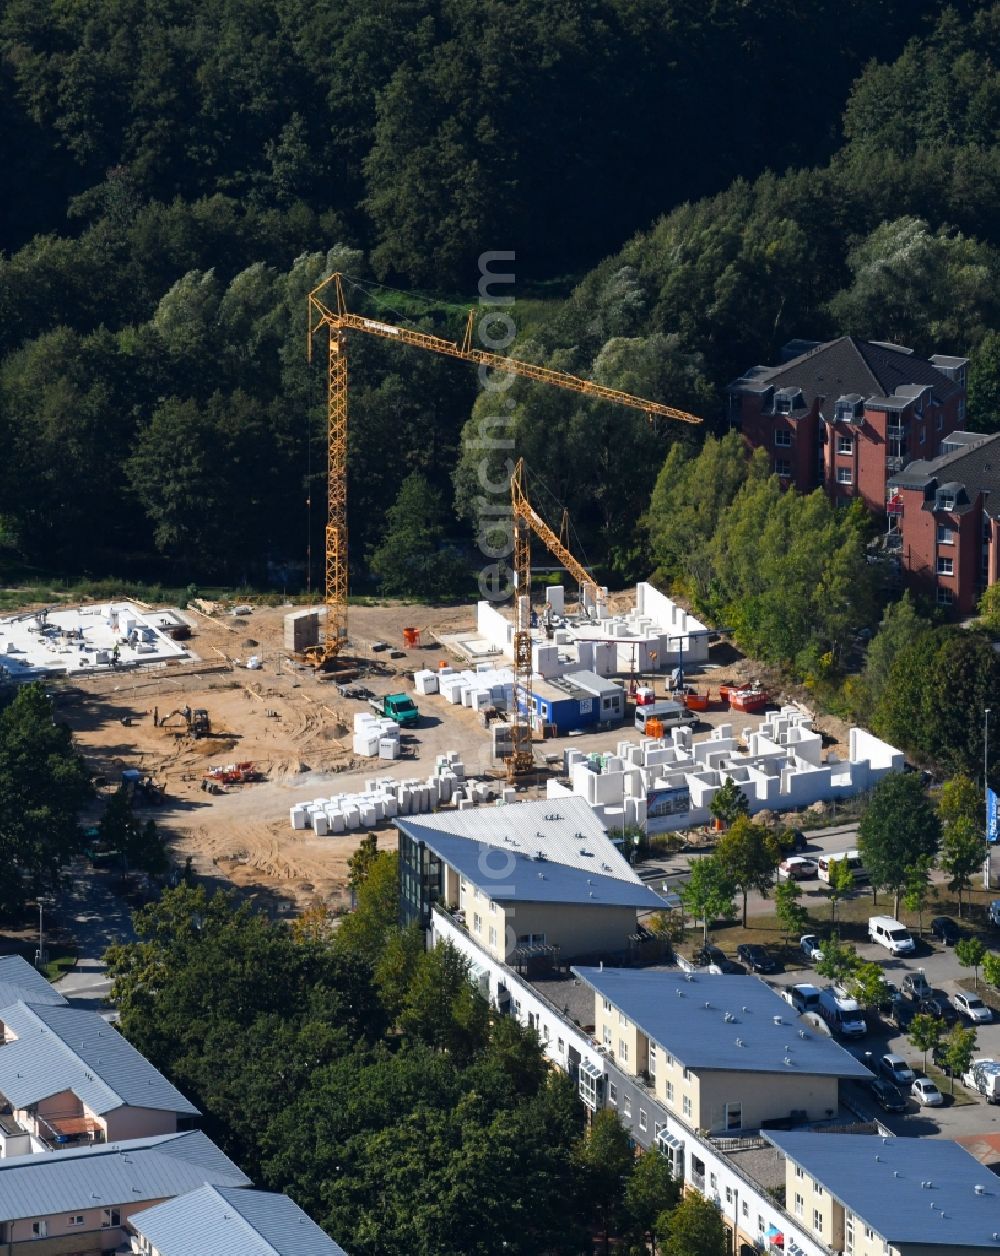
(642, 1118)
(786, 438)
(799, 1206)
(945, 565)
(945, 534)
(817, 1221)
(670, 1093)
(845, 475)
(845, 444)
(686, 1106)
(627, 1105)
(945, 597)
(613, 1094)
(783, 468)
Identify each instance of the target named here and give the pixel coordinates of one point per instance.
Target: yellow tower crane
(328, 308)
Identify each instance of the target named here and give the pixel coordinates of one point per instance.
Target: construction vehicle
(195, 719)
(338, 320)
(235, 774)
(396, 706)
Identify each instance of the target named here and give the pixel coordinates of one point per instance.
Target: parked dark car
(940, 1009)
(945, 930)
(715, 955)
(887, 1096)
(902, 1013)
(755, 958)
(793, 841)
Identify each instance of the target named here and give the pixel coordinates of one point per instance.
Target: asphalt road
(95, 914)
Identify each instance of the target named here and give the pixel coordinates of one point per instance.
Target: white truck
(804, 997)
(984, 1076)
(843, 1015)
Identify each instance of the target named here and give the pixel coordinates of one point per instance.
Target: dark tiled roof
(976, 466)
(848, 365)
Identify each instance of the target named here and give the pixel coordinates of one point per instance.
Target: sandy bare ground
(290, 723)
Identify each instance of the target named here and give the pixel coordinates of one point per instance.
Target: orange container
(411, 636)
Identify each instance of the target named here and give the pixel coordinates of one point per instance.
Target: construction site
(267, 739)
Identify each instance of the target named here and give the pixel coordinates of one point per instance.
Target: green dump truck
(397, 706)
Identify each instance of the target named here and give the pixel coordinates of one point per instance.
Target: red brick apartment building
(947, 510)
(862, 418)
(845, 415)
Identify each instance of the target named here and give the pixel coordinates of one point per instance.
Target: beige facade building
(867, 1196)
(535, 881)
(723, 1053)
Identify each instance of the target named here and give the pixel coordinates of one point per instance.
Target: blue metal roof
(552, 851)
(18, 980)
(62, 1048)
(112, 1174)
(520, 877)
(909, 1190)
(229, 1222)
(733, 1023)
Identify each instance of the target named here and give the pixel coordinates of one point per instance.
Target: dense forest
(179, 175)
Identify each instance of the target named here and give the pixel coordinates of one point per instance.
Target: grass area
(61, 960)
(851, 924)
(961, 1098)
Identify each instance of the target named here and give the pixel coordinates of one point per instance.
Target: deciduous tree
(970, 953)
(708, 892)
(790, 914)
(43, 786)
(694, 1228)
(899, 826)
(750, 854)
(925, 1033)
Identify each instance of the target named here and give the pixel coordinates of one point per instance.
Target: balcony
(15, 1139)
(59, 1133)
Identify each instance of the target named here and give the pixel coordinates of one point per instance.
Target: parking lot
(939, 964)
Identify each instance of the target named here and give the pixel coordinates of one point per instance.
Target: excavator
(196, 720)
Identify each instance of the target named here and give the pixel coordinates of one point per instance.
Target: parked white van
(891, 934)
(670, 715)
(843, 1015)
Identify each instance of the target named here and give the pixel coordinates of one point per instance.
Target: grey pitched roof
(721, 1022)
(229, 1222)
(497, 849)
(19, 980)
(112, 1174)
(848, 365)
(882, 1181)
(62, 1048)
(976, 466)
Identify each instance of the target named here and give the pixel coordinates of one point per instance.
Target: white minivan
(843, 1015)
(670, 715)
(891, 934)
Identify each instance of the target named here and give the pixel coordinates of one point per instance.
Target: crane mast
(328, 309)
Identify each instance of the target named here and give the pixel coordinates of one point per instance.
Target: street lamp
(986, 794)
(40, 955)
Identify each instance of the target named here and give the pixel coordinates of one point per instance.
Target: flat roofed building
(79, 1201)
(230, 1222)
(67, 1076)
(723, 1052)
(523, 879)
(870, 1195)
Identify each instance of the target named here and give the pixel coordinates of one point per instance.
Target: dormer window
(849, 409)
(946, 502)
(788, 400)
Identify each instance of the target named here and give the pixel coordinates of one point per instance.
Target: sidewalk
(96, 916)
